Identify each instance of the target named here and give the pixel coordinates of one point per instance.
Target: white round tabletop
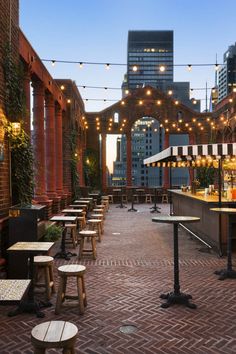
(175, 219)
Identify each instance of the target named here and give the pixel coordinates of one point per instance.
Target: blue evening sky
(97, 30)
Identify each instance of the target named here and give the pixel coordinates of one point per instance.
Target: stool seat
(43, 259)
(54, 334)
(71, 269)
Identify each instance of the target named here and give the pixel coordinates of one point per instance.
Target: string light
(189, 67)
(162, 68)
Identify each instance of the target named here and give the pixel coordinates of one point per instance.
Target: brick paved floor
(134, 266)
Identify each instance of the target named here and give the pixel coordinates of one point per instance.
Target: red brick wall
(9, 26)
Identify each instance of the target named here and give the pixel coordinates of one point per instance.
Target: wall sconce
(16, 128)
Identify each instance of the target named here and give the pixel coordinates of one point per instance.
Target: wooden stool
(95, 224)
(72, 228)
(101, 217)
(71, 270)
(54, 334)
(45, 263)
(91, 235)
(148, 198)
(164, 198)
(111, 199)
(82, 221)
(124, 198)
(99, 211)
(136, 198)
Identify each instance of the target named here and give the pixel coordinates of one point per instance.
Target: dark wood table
(176, 297)
(228, 272)
(63, 219)
(31, 249)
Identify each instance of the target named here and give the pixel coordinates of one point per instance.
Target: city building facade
(227, 73)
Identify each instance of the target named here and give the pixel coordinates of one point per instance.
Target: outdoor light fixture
(162, 68)
(62, 87)
(170, 92)
(16, 128)
(126, 92)
(189, 67)
(68, 101)
(53, 62)
(135, 68)
(107, 66)
(81, 65)
(148, 92)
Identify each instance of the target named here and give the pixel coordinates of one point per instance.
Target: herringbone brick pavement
(134, 266)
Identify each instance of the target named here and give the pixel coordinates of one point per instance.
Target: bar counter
(199, 205)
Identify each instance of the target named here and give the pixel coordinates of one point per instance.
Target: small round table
(176, 297)
(228, 272)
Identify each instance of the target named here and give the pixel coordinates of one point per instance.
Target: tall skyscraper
(150, 58)
(227, 73)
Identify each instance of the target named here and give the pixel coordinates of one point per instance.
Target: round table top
(175, 219)
(224, 210)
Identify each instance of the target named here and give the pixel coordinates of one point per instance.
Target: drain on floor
(127, 329)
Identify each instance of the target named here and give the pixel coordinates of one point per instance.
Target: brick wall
(9, 26)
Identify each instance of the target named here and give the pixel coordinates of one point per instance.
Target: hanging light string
(118, 88)
(135, 67)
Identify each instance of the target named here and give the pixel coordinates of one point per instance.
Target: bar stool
(54, 334)
(99, 211)
(136, 198)
(72, 230)
(82, 221)
(164, 198)
(101, 217)
(95, 224)
(44, 264)
(64, 272)
(111, 200)
(91, 236)
(148, 198)
(124, 198)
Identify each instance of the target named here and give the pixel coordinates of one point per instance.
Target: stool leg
(73, 237)
(52, 278)
(80, 295)
(81, 247)
(68, 351)
(93, 242)
(84, 292)
(47, 282)
(60, 294)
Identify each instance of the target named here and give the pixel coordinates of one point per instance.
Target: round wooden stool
(82, 221)
(91, 235)
(45, 264)
(54, 334)
(148, 198)
(164, 198)
(111, 199)
(72, 230)
(101, 217)
(71, 270)
(96, 224)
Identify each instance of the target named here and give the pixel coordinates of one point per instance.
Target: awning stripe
(171, 153)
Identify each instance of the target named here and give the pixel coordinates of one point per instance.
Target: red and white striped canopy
(191, 153)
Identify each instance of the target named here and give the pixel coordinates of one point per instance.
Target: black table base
(30, 307)
(65, 255)
(226, 273)
(177, 298)
(156, 209)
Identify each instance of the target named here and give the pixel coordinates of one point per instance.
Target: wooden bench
(54, 334)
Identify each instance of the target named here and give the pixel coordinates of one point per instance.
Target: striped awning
(192, 155)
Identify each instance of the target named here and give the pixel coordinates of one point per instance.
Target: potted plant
(53, 233)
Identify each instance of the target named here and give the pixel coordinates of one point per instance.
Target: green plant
(73, 163)
(53, 233)
(14, 92)
(206, 176)
(92, 169)
(22, 173)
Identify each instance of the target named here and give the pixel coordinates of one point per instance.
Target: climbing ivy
(74, 162)
(22, 173)
(92, 169)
